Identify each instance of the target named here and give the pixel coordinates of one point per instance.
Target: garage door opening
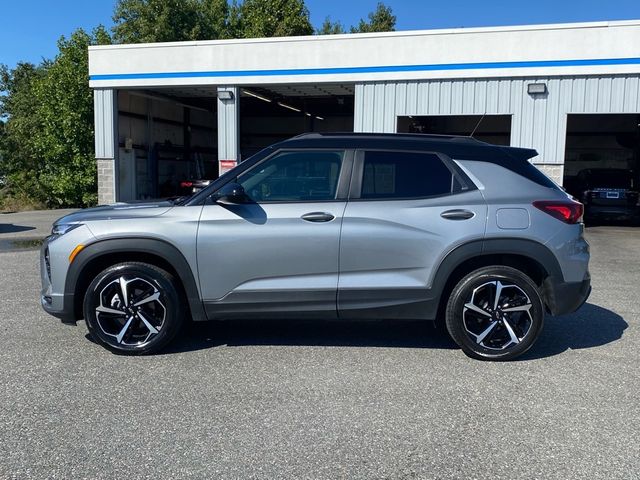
(277, 112)
(602, 161)
(166, 139)
(495, 129)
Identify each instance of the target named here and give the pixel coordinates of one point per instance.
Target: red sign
(226, 165)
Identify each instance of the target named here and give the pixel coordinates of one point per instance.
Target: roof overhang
(523, 51)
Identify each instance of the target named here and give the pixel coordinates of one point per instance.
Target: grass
(19, 203)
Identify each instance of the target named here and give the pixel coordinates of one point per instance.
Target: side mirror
(231, 194)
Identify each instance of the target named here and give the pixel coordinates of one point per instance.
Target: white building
(170, 112)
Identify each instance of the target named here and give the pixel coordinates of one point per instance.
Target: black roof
(454, 146)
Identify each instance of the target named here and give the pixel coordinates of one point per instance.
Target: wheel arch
(97, 256)
(530, 257)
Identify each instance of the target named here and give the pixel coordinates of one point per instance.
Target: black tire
(164, 313)
(501, 328)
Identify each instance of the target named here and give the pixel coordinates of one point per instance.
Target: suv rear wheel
(133, 308)
(495, 313)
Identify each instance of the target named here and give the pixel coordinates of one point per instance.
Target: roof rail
(413, 136)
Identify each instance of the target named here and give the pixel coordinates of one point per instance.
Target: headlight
(62, 228)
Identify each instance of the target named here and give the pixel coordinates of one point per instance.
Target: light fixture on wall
(225, 94)
(537, 88)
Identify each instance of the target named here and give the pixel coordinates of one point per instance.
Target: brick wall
(553, 171)
(106, 184)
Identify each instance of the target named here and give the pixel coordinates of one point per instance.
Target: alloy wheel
(497, 316)
(131, 311)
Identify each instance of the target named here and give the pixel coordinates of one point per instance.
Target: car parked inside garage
(610, 194)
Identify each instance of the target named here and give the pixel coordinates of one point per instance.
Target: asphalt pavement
(327, 400)
(22, 230)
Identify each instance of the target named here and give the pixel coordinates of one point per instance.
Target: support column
(105, 111)
(228, 106)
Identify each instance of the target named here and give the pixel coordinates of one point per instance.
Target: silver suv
(333, 226)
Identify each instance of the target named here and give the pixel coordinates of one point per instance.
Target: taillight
(565, 211)
(186, 184)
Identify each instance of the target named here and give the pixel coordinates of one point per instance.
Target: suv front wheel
(133, 308)
(495, 313)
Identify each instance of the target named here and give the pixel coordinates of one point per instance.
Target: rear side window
(405, 175)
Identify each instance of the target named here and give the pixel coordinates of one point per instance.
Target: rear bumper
(565, 297)
(612, 211)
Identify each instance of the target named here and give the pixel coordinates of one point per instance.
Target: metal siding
(578, 92)
(591, 95)
(228, 125)
(389, 106)
(517, 99)
(445, 97)
(379, 107)
(104, 122)
(551, 127)
(604, 95)
(434, 98)
(538, 122)
(400, 98)
(480, 93)
(617, 94)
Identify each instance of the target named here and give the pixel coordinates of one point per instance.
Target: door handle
(317, 217)
(458, 214)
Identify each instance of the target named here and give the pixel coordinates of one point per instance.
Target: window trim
(355, 190)
(344, 177)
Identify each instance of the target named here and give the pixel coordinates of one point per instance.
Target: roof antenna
(478, 124)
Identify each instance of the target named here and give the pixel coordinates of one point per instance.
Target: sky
(29, 29)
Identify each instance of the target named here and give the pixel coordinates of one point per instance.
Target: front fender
(96, 251)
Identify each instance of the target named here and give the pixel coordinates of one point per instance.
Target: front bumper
(565, 297)
(59, 305)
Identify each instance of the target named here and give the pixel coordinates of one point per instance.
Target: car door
(276, 254)
(406, 211)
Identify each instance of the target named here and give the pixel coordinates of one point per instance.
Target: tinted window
(294, 176)
(405, 175)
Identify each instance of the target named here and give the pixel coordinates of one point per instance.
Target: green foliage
(272, 18)
(330, 28)
(46, 110)
(137, 21)
(380, 20)
(19, 161)
(47, 143)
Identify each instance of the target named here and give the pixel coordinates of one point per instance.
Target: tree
(65, 139)
(380, 20)
(19, 161)
(270, 18)
(47, 144)
(140, 21)
(330, 28)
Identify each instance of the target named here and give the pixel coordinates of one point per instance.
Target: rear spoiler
(520, 153)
